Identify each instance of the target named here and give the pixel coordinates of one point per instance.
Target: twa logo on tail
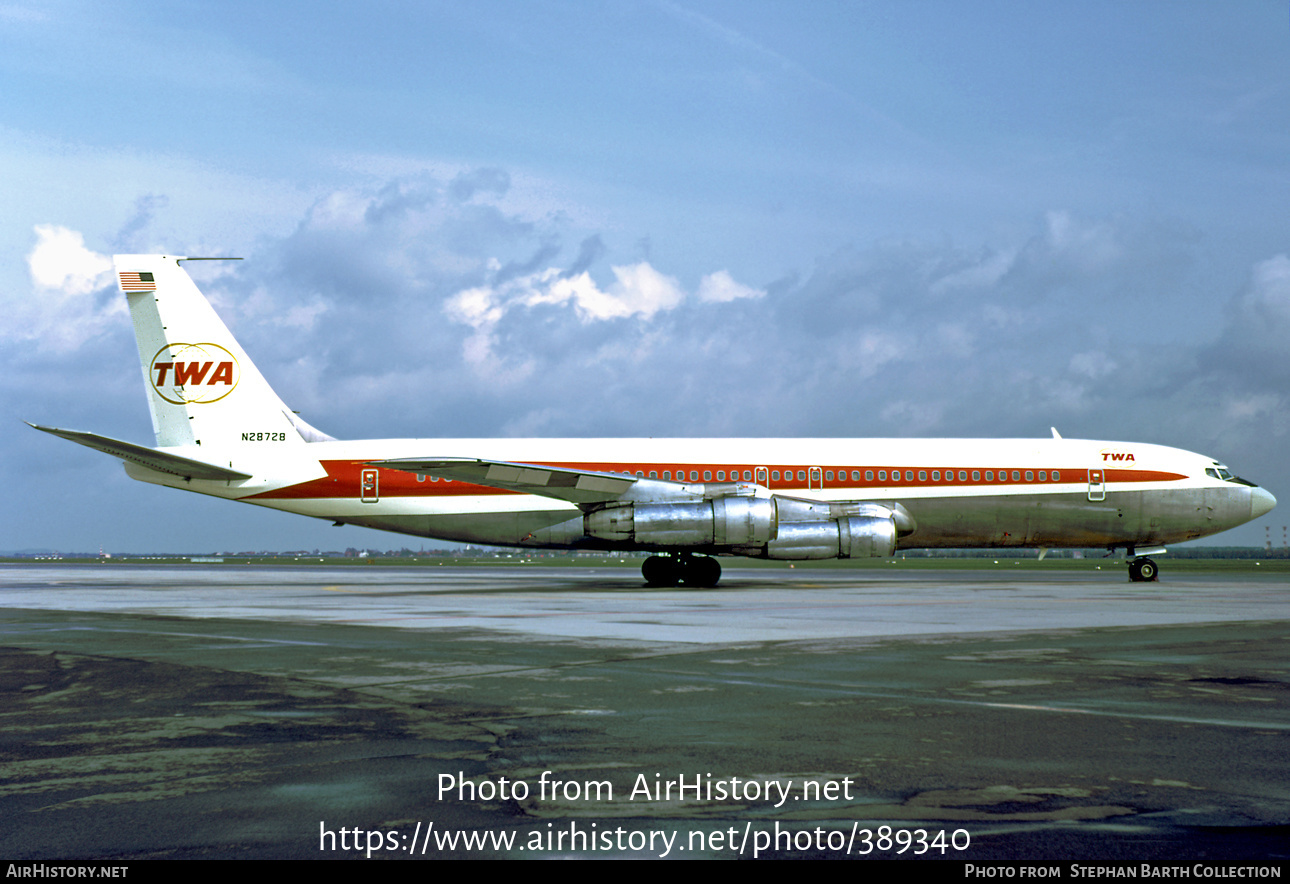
(194, 374)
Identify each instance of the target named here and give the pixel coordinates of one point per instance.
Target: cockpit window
(1218, 471)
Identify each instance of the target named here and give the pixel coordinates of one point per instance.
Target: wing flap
(162, 461)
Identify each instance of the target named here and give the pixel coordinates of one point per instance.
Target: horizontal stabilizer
(152, 459)
(561, 483)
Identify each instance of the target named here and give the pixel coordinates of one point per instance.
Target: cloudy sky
(645, 217)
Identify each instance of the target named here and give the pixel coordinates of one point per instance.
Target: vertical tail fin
(202, 387)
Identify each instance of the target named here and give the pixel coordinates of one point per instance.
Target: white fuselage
(959, 492)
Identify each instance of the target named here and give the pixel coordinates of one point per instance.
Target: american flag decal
(134, 281)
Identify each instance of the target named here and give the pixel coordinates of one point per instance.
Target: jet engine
(774, 527)
(721, 521)
(850, 537)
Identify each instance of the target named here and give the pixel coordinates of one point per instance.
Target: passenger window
(721, 475)
(694, 475)
(962, 475)
(747, 475)
(828, 475)
(868, 475)
(922, 475)
(1030, 475)
(707, 475)
(976, 475)
(667, 475)
(909, 475)
(989, 475)
(936, 475)
(1057, 477)
(882, 475)
(774, 475)
(1043, 476)
(895, 475)
(801, 475)
(1016, 475)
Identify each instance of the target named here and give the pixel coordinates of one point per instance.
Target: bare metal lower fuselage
(1124, 519)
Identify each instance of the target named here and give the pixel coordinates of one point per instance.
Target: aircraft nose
(1260, 502)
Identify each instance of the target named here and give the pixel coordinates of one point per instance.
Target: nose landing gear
(1143, 570)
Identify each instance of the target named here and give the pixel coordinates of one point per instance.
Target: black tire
(1143, 570)
(660, 571)
(702, 571)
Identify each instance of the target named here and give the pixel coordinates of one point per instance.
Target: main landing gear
(682, 568)
(1143, 570)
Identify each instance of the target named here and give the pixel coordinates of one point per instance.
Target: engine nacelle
(774, 528)
(722, 521)
(852, 537)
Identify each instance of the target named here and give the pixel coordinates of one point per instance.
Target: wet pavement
(256, 712)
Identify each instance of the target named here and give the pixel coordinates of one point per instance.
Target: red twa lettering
(193, 373)
(1117, 455)
(223, 374)
(190, 372)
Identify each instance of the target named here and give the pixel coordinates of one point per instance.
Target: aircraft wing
(576, 486)
(161, 461)
(588, 489)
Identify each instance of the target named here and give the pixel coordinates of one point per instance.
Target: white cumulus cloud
(60, 311)
(720, 287)
(637, 291)
(61, 261)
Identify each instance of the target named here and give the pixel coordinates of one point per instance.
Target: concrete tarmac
(271, 712)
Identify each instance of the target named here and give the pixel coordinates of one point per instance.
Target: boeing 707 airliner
(222, 430)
